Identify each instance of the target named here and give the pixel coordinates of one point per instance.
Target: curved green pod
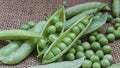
(50, 54)
(25, 49)
(74, 10)
(53, 28)
(17, 35)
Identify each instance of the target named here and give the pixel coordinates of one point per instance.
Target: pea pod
(64, 42)
(17, 34)
(25, 49)
(66, 64)
(116, 8)
(72, 11)
(97, 23)
(53, 28)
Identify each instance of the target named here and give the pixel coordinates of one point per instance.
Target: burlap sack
(14, 13)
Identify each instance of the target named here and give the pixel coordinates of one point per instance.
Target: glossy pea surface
(61, 45)
(56, 50)
(67, 40)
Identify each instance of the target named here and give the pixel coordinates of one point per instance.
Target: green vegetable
(98, 36)
(110, 29)
(117, 25)
(96, 65)
(103, 41)
(79, 48)
(105, 63)
(72, 50)
(70, 56)
(80, 54)
(94, 58)
(117, 20)
(117, 34)
(89, 53)
(25, 27)
(108, 57)
(117, 65)
(86, 64)
(107, 49)
(95, 46)
(66, 64)
(111, 37)
(86, 45)
(31, 24)
(109, 18)
(79, 42)
(92, 38)
(100, 54)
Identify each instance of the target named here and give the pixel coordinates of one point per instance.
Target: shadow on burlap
(14, 13)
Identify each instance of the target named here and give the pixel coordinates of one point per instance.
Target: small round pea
(92, 38)
(52, 37)
(103, 41)
(76, 30)
(110, 29)
(79, 48)
(85, 21)
(108, 57)
(117, 34)
(118, 28)
(55, 19)
(109, 18)
(96, 65)
(61, 45)
(67, 40)
(25, 27)
(59, 59)
(31, 24)
(100, 54)
(81, 26)
(41, 43)
(79, 42)
(72, 35)
(117, 20)
(94, 33)
(80, 54)
(95, 46)
(117, 25)
(86, 64)
(105, 63)
(70, 56)
(75, 45)
(59, 26)
(50, 55)
(94, 58)
(56, 51)
(98, 36)
(111, 37)
(72, 50)
(89, 53)
(86, 45)
(51, 29)
(107, 49)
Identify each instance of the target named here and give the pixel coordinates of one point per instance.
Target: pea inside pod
(51, 31)
(66, 43)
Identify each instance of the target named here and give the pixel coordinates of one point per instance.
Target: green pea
(109, 18)
(67, 40)
(98, 36)
(56, 50)
(41, 43)
(92, 38)
(118, 28)
(79, 48)
(79, 42)
(110, 29)
(75, 45)
(105, 63)
(117, 25)
(51, 29)
(76, 30)
(31, 24)
(107, 49)
(86, 64)
(100, 54)
(117, 34)
(111, 37)
(55, 19)
(62, 45)
(89, 53)
(59, 59)
(52, 37)
(108, 57)
(117, 20)
(59, 26)
(103, 41)
(95, 46)
(72, 35)
(96, 65)
(94, 58)
(50, 55)
(81, 26)
(94, 33)
(85, 21)
(70, 56)
(72, 50)
(86, 45)
(25, 27)
(80, 54)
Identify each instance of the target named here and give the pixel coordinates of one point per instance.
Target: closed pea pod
(60, 40)
(53, 28)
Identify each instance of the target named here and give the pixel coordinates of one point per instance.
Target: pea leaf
(66, 64)
(115, 65)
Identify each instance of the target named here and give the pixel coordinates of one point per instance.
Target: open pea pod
(53, 28)
(65, 41)
(98, 21)
(18, 34)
